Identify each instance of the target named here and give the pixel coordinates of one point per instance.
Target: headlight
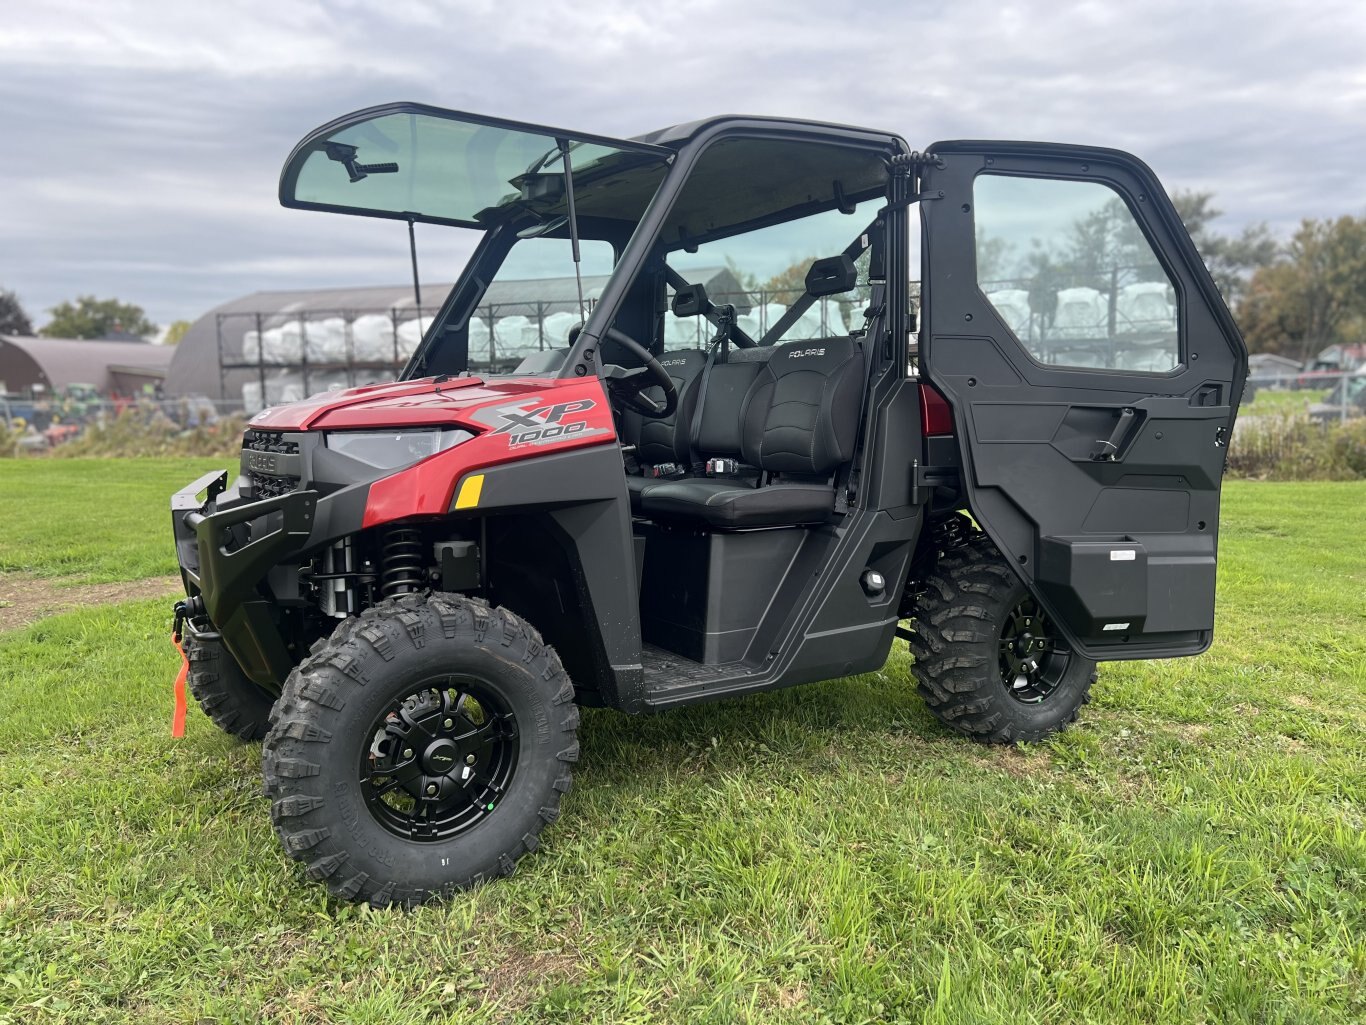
(389, 450)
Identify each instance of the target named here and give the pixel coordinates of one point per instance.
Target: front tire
(420, 750)
(987, 661)
(236, 705)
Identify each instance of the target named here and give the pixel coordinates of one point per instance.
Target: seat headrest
(821, 355)
(682, 363)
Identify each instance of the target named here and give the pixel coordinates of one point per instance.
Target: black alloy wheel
(988, 662)
(1033, 659)
(439, 760)
(420, 749)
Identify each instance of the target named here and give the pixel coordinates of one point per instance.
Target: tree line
(85, 317)
(1293, 297)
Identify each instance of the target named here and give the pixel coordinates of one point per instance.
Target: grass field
(91, 520)
(1274, 402)
(1192, 851)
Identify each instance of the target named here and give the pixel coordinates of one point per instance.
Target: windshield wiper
(346, 156)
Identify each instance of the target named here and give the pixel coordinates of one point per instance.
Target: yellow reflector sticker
(470, 489)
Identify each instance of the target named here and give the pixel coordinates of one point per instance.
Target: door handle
(1109, 448)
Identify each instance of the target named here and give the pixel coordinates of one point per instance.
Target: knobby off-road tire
(388, 696)
(968, 642)
(234, 703)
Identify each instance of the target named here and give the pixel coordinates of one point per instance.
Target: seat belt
(721, 343)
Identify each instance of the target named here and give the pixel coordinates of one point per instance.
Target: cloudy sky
(143, 139)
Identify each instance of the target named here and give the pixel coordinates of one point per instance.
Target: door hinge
(926, 479)
(905, 178)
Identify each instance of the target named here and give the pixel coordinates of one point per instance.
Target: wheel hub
(441, 757)
(439, 760)
(1032, 659)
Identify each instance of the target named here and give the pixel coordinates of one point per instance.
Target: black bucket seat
(659, 442)
(796, 422)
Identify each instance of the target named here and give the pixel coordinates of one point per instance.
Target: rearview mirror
(691, 301)
(831, 276)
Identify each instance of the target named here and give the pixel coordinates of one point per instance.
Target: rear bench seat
(793, 416)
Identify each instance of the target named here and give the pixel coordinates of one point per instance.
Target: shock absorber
(401, 562)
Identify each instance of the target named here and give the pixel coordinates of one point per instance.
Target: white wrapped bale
(409, 336)
(557, 328)
(277, 348)
(289, 387)
(479, 338)
(372, 338)
(515, 336)
(1081, 313)
(251, 348)
(325, 340)
(1013, 306)
(685, 332)
(282, 386)
(1144, 308)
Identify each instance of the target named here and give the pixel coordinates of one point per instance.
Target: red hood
(428, 401)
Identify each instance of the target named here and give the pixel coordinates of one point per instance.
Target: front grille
(269, 441)
(263, 486)
(270, 463)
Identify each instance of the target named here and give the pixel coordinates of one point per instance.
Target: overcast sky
(143, 140)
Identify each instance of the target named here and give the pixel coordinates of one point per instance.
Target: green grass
(1268, 402)
(97, 520)
(1192, 851)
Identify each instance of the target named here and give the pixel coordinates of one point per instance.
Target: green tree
(13, 319)
(176, 332)
(89, 317)
(1232, 260)
(1315, 296)
(790, 282)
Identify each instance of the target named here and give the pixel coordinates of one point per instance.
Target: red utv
(411, 589)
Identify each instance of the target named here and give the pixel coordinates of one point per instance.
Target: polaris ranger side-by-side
(411, 588)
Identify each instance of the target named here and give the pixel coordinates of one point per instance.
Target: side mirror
(691, 301)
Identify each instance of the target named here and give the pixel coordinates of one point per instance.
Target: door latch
(1109, 448)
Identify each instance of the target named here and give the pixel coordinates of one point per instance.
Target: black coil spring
(401, 562)
(952, 532)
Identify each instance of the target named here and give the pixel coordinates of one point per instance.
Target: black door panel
(1094, 375)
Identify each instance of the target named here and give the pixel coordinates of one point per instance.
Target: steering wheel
(628, 385)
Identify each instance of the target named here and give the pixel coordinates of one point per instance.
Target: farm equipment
(411, 589)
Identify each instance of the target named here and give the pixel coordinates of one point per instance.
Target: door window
(1071, 274)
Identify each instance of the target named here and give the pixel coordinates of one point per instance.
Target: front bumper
(225, 554)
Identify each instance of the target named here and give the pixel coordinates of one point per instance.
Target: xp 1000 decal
(538, 422)
(563, 416)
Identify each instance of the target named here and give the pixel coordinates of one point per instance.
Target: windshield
(444, 167)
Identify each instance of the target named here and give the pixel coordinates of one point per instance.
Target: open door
(1094, 372)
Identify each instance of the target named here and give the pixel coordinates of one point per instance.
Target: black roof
(675, 136)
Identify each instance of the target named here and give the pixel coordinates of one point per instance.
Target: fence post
(493, 341)
(303, 350)
(261, 360)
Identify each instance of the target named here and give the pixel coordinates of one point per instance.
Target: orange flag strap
(178, 716)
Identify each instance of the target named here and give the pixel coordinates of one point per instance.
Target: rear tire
(977, 665)
(235, 704)
(422, 694)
